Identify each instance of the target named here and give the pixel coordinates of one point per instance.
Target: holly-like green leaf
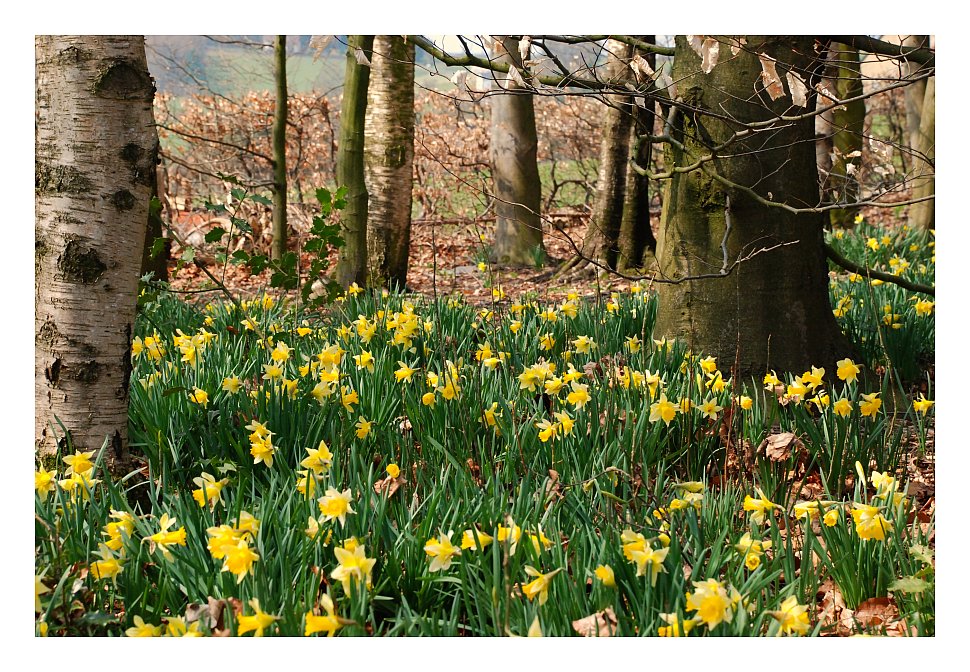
(215, 234)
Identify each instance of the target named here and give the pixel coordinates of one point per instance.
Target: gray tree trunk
(279, 149)
(923, 214)
(637, 242)
(915, 91)
(847, 127)
(515, 173)
(772, 311)
(601, 243)
(389, 158)
(95, 145)
(352, 264)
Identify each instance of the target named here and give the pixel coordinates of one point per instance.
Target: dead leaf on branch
(769, 77)
(798, 89)
(600, 624)
(707, 48)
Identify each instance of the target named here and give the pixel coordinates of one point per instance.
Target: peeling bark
(95, 149)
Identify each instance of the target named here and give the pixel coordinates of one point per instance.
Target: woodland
(485, 335)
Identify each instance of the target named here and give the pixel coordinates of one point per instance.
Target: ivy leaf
(238, 194)
(261, 199)
(215, 235)
(240, 257)
(241, 224)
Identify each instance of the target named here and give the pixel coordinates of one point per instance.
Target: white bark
(95, 141)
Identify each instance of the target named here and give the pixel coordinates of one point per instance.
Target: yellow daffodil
(335, 504)
(540, 585)
(441, 551)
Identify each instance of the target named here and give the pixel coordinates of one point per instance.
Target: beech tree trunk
(278, 248)
(772, 311)
(389, 158)
(601, 243)
(847, 128)
(637, 242)
(352, 264)
(95, 145)
(915, 91)
(515, 173)
(923, 214)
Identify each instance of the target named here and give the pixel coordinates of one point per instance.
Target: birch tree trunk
(388, 160)
(352, 264)
(95, 144)
(515, 173)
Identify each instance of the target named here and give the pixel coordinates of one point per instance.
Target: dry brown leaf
(769, 77)
(876, 612)
(600, 624)
(779, 447)
(211, 613)
(798, 89)
(389, 485)
(641, 69)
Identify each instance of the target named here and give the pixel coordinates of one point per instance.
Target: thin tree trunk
(923, 214)
(601, 243)
(915, 91)
(515, 173)
(848, 122)
(279, 150)
(352, 264)
(389, 158)
(637, 243)
(95, 144)
(772, 311)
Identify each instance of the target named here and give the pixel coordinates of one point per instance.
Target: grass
(597, 462)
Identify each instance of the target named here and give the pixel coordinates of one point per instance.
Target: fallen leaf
(779, 447)
(876, 612)
(600, 624)
(769, 77)
(389, 485)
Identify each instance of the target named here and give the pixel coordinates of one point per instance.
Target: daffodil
(441, 551)
(605, 574)
(843, 408)
(649, 559)
(473, 538)
(353, 566)
(870, 404)
(335, 504)
(108, 567)
(363, 427)
(579, 395)
(142, 629)
(662, 410)
(39, 589)
(163, 538)
(256, 622)
(209, 490)
(79, 463)
(848, 370)
(44, 481)
(922, 405)
(758, 507)
(319, 459)
(231, 384)
(329, 622)
(239, 559)
(869, 522)
(710, 409)
(792, 617)
(175, 626)
(540, 585)
(712, 602)
(676, 626)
